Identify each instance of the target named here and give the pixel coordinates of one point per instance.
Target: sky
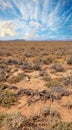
(36, 19)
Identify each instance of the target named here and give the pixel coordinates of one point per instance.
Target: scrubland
(35, 85)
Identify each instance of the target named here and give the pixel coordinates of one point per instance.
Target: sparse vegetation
(35, 81)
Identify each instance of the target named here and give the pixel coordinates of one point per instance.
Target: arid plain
(35, 85)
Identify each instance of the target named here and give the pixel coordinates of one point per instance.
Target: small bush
(69, 60)
(53, 83)
(15, 121)
(11, 62)
(47, 110)
(67, 81)
(46, 61)
(17, 78)
(26, 66)
(58, 68)
(36, 67)
(62, 126)
(7, 98)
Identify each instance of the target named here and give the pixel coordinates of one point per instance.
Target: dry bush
(17, 78)
(62, 126)
(69, 60)
(67, 81)
(57, 89)
(7, 98)
(53, 83)
(36, 67)
(57, 68)
(26, 66)
(15, 121)
(48, 110)
(11, 62)
(46, 61)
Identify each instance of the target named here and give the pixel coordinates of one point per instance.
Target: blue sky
(36, 19)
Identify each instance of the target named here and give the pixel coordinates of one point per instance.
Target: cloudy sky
(36, 19)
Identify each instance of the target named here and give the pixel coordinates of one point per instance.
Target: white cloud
(36, 16)
(31, 34)
(7, 28)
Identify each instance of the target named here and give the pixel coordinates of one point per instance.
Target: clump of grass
(47, 110)
(17, 78)
(36, 67)
(53, 83)
(62, 126)
(47, 60)
(67, 81)
(15, 121)
(7, 98)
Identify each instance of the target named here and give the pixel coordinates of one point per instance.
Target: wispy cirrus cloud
(36, 19)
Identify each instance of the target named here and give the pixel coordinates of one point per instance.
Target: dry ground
(35, 85)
